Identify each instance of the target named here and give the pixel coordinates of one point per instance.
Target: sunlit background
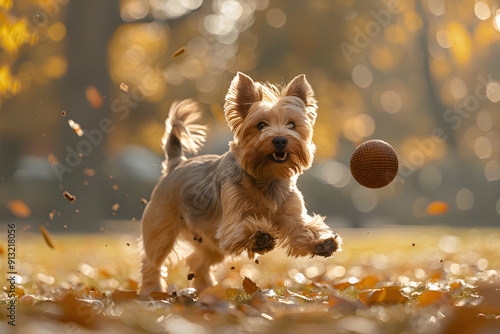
(85, 87)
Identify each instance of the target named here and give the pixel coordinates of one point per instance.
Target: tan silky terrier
(245, 200)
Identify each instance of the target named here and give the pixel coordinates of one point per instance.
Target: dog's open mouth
(279, 156)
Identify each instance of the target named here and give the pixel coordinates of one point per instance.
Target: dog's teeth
(279, 158)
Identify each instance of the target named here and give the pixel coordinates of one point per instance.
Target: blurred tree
(90, 25)
(383, 69)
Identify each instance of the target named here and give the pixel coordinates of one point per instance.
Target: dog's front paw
(327, 247)
(262, 242)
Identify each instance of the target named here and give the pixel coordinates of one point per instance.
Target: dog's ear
(242, 93)
(300, 87)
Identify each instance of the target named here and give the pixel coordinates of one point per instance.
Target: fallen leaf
(90, 293)
(76, 311)
(19, 208)
(436, 276)
(104, 273)
(124, 295)
(46, 235)
(336, 302)
(289, 294)
(88, 171)
(27, 300)
(179, 52)
(231, 293)
(75, 127)
(160, 295)
(455, 285)
(491, 295)
(19, 292)
(212, 295)
(431, 297)
(437, 208)
(342, 285)
(124, 87)
(52, 159)
(94, 97)
(69, 197)
(133, 284)
(384, 295)
(258, 300)
(249, 286)
(367, 283)
(469, 319)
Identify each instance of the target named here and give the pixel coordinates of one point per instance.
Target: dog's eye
(291, 124)
(261, 125)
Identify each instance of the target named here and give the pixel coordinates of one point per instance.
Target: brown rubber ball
(374, 164)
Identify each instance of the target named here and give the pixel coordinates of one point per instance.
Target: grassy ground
(388, 280)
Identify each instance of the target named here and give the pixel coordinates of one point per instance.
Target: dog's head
(272, 127)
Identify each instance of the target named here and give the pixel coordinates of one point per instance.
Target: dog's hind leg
(200, 263)
(159, 233)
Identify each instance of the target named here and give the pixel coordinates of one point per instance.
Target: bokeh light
(55, 67)
(133, 51)
(134, 10)
(335, 173)
(362, 76)
(444, 39)
(57, 31)
(464, 199)
(364, 200)
(496, 20)
(436, 7)
(484, 121)
(419, 207)
(493, 91)
(359, 127)
(450, 244)
(482, 10)
(458, 88)
(483, 147)
(391, 101)
(276, 18)
(492, 170)
(430, 177)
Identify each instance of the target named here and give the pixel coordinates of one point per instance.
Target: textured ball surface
(374, 164)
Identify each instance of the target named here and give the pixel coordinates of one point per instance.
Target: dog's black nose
(280, 143)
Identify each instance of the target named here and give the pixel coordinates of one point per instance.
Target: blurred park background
(85, 87)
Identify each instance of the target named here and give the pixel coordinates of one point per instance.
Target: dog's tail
(181, 132)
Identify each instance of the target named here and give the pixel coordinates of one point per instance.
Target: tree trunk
(90, 25)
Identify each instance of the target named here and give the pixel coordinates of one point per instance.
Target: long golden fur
(245, 200)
